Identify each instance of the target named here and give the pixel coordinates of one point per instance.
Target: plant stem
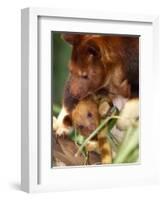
(133, 156)
(115, 140)
(104, 122)
(112, 144)
(129, 143)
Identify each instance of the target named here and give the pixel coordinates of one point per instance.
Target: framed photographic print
(88, 115)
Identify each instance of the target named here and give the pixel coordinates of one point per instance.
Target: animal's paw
(92, 146)
(60, 128)
(103, 108)
(63, 130)
(62, 125)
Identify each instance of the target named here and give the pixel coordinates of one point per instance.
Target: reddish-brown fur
(101, 62)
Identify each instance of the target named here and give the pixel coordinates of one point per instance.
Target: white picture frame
(36, 171)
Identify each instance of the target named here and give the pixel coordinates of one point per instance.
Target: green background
(61, 52)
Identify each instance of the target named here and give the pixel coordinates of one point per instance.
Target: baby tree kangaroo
(86, 118)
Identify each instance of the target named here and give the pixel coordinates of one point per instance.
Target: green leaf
(133, 156)
(129, 143)
(76, 137)
(80, 139)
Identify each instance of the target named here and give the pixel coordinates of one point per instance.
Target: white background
(10, 98)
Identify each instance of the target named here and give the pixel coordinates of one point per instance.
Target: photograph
(94, 99)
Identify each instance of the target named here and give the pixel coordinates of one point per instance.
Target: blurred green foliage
(61, 53)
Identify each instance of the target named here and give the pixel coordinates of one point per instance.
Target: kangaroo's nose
(83, 75)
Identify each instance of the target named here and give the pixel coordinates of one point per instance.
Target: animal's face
(85, 117)
(87, 66)
(96, 61)
(87, 71)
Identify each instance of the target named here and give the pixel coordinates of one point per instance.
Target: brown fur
(86, 119)
(100, 61)
(85, 116)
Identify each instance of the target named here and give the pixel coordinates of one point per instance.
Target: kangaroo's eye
(89, 115)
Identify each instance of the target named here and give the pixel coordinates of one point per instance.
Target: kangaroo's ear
(67, 120)
(72, 38)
